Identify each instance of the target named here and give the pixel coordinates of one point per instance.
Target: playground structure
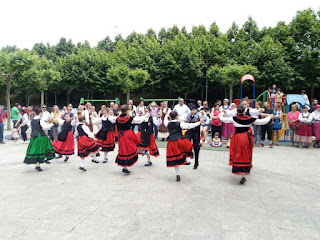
(247, 77)
(116, 100)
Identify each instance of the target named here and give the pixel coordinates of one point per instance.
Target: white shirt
(44, 125)
(263, 121)
(306, 117)
(156, 121)
(181, 110)
(46, 116)
(183, 125)
(112, 119)
(86, 129)
(306, 99)
(252, 111)
(25, 120)
(138, 109)
(316, 116)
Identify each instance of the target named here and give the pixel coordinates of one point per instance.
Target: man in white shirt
(181, 108)
(130, 102)
(45, 114)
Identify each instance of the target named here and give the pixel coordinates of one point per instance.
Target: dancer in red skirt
(304, 130)
(128, 141)
(86, 144)
(105, 137)
(178, 147)
(146, 140)
(241, 145)
(64, 143)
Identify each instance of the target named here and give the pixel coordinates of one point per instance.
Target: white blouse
(306, 117)
(183, 125)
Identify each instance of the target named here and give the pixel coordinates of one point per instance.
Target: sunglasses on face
(44, 107)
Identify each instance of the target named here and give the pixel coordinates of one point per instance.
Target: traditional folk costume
(304, 130)
(146, 139)
(128, 141)
(64, 144)
(316, 123)
(242, 142)
(39, 149)
(163, 130)
(194, 135)
(86, 144)
(178, 147)
(105, 137)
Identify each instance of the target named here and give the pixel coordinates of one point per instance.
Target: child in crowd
(15, 134)
(216, 141)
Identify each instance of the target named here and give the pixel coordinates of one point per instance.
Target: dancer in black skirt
(128, 141)
(178, 147)
(105, 137)
(86, 143)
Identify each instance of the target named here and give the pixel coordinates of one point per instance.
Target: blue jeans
(1, 132)
(155, 127)
(256, 133)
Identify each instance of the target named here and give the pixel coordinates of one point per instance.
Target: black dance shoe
(83, 169)
(178, 178)
(144, 152)
(59, 156)
(47, 162)
(105, 160)
(97, 154)
(188, 163)
(243, 180)
(95, 161)
(125, 171)
(195, 166)
(148, 164)
(66, 159)
(39, 169)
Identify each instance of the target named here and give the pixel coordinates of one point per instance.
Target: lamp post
(206, 84)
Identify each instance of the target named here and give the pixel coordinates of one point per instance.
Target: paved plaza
(280, 200)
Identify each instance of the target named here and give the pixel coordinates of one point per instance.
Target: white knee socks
(177, 170)
(82, 162)
(94, 156)
(148, 156)
(106, 155)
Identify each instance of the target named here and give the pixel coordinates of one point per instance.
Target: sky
(26, 22)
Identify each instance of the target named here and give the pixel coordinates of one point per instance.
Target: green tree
(230, 75)
(128, 79)
(12, 64)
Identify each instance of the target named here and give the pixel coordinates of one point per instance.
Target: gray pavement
(281, 199)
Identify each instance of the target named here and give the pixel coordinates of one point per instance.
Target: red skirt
(241, 152)
(152, 147)
(316, 130)
(128, 154)
(107, 145)
(86, 146)
(178, 151)
(64, 147)
(304, 133)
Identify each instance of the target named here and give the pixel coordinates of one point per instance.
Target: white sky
(26, 22)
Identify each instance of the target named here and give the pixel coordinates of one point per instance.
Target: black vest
(80, 131)
(147, 127)
(175, 131)
(36, 128)
(66, 126)
(193, 119)
(106, 125)
(124, 123)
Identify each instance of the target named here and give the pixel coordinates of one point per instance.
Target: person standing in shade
(277, 122)
(267, 128)
(15, 113)
(163, 130)
(181, 108)
(24, 124)
(154, 112)
(293, 121)
(2, 124)
(216, 124)
(304, 131)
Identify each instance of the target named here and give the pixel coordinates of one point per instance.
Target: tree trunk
(46, 95)
(185, 96)
(230, 93)
(42, 98)
(312, 92)
(201, 92)
(28, 100)
(128, 96)
(55, 98)
(88, 94)
(8, 102)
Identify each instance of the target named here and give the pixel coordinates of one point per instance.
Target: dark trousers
(215, 129)
(23, 132)
(196, 144)
(14, 122)
(1, 132)
(156, 129)
(266, 129)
